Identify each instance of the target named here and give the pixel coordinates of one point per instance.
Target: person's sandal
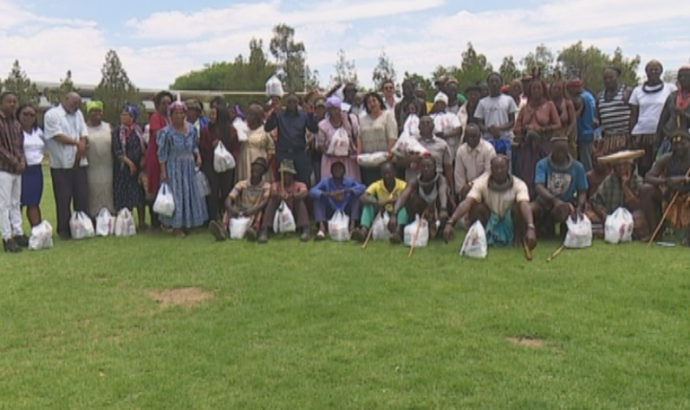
(217, 231)
(250, 234)
(320, 236)
(395, 239)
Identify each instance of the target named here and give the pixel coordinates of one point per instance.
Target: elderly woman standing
(378, 133)
(32, 177)
(158, 121)
(338, 122)
(98, 153)
(646, 102)
(534, 128)
(128, 156)
(178, 154)
(259, 144)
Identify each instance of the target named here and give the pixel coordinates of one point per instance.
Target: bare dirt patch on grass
(180, 296)
(526, 341)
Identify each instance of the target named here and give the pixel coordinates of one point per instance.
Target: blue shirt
(585, 122)
(562, 185)
(292, 129)
(326, 185)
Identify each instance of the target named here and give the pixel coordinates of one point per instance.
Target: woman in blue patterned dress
(128, 161)
(178, 154)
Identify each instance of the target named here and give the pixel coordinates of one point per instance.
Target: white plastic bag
(105, 223)
(340, 144)
(274, 87)
(242, 129)
(124, 224)
(222, 159)
(165, 202)
(475, 245)
(80, 226)
(202, 183)
(619, 226)
(41, 236)
(579, 233)
(411, 127)
(284, 221)
(238, 227)
(379, 230)
(339, 227)
(407, 145)
(372, 160)
(422, 237)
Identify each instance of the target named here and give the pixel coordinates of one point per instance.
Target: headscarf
(177, 105)
(575, 82)
(333, 102)
(134, 129)
(94, 105)
(238, 112)
(132, 110)
(441, 96)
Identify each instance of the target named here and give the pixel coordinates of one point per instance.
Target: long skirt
(190, 205)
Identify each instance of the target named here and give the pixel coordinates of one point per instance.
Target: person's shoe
(22, 241)
(359, 235)
(64, 236)
(263, 236)
(11, 246)
(305, 236)
(217, 231)
(320, 236)
(396, 239)
(250, 234)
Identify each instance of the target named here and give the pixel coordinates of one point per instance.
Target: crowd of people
(521, 158)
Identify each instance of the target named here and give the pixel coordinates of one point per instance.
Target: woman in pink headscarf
(337, 140)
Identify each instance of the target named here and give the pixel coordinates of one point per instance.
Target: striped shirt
(11, 144)
(614, 114)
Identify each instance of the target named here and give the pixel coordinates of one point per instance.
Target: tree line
(289, 62)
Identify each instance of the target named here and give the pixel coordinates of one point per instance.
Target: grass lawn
(330, 326)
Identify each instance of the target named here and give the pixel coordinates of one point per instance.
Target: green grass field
(330, 326)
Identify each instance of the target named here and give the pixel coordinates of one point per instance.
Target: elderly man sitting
(501, 202)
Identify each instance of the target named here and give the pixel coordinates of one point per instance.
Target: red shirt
(153, 170)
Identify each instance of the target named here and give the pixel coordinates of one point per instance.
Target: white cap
(441, 97)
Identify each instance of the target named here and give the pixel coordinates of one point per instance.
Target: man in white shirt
(472, 160)
(66, 139)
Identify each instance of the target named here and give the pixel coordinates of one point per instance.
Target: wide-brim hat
(621, 157)
(288, 167)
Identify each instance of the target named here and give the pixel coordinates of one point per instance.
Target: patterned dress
(100, 170)
(177, 151)
(127, 192)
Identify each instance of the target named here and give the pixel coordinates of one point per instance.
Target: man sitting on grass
(337, 193)
(426, 195)
(668, 176)
(293, 193)
(248, 198)
(501, 202)
(380, 197)
(561, 187)
(620, 189)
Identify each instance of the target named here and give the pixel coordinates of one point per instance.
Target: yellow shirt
(379, 191)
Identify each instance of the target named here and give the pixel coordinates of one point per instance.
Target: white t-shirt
(650, 107)
(496, 111)
(34, 146)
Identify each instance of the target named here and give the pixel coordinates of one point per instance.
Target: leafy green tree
(383, 71)
(290, 57)
(589, 64)
(115, 88)
(541, 59)
(421, 81)
(509, 70)
(20, 84)
(345, 71)
(66, 86)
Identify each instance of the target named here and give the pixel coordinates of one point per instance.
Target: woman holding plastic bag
(178, 154)
(219, 131)
(337, 139)
(128, 151)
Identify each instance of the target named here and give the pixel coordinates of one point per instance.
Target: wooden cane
(528, 252)
(416, 234)
(670, 204)
(366, 242)
(556, 253)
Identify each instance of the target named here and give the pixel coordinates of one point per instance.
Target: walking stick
(670, 204)
(416, 234)
(556, 253)
(528, 252)
(366, 242)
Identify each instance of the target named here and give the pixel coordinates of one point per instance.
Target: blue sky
(158, 41)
